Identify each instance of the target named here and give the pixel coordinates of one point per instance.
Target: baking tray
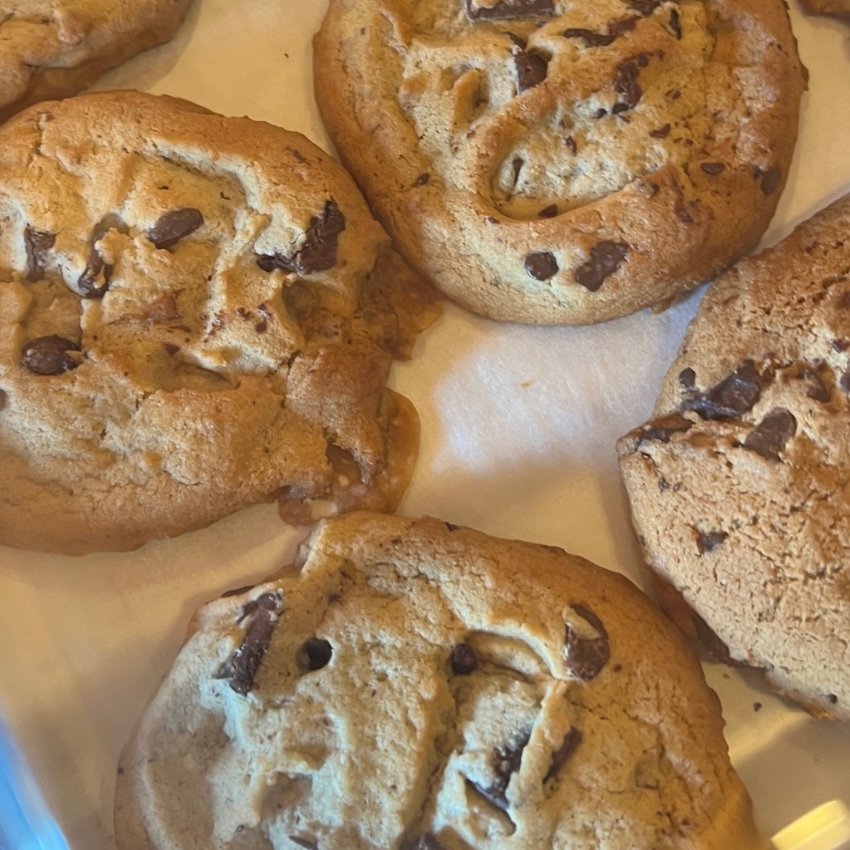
(518, 431)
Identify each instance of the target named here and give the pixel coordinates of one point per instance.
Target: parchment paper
(518, 429)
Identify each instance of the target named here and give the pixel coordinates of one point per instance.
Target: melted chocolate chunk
(508, 9)
(38, 243)
(508, 760)
(174, 226)
(733, 396)
(521, 43)
(570, 143)
(605, 259)
(664, 428)
(713, 168)
(541, 266)
(560, 757)
(817, 390)
(591, 39)
(422, 179)
(645, 7)
(587, 656)
(318, 253)
(661, 132)
(318, 653)
(530, 70)
(676, 24)
(621, 27)
(463, 660)
(451, 526)
(687, 378)
(710, 541)
(548, 212)
(772, 433)
(769, 181)
(48, 355)
(304, 842)
(627, 86)
(94, 281)
(241, 668)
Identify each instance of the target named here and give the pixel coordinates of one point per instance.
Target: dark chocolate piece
(174, 226)
(709, 541)
(560, 757)
(587, 656)
(734, 395)
(548, 212)
(318, 652)
(713, 168)
(676, 24)
(318, 253)
(506, 10)
(94, 281)
(817, 390)
(626, 85)
(604, 260)
(542, 265)
(463, 660)
(530, 70)
(769, 180)
(242, 667)
(661, 132)
(508, 760)
(772, 433)
(38, 243)
(645, 7)
(304, 842)
(687, 378)
(48, 355)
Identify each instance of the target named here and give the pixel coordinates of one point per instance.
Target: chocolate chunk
(560, 757)
(508, 9)
(712, 643)
(174, 226)
(451, 526)
(463, 660)
(710, 541)
(422, 179)
(713, 168)
(645, 7)
(241, 668)
(687, 378)
(734, 395)
(676, 24)
(94, 281)
(772, 433)
(541, 266)
(840, 345)
(626, 85)
(318, 652)
(304, 842)
(548, 212)
(591, 39)
(832, 698)
(605, 259)
(508, 760)
(661, 132)
(817, 390)
(587, 656)
(318, 253)
(664, 428)
(521, 43)
(48, 355)
(769, 180)
(570, 143)
(530, 70)
(171, 348)
(38, 243)
(621, 27)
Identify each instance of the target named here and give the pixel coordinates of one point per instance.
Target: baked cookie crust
(197, 313)
(841, 8)
(564, 163)
(738, 485)
(55, 48)
(418, 685)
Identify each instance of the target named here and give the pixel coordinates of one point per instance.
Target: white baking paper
(518, 431)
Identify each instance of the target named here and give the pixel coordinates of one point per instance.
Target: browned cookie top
(828, 7)
(739, 485)
(55, 48)
(423, 687)
(546, 161)
(196, 313)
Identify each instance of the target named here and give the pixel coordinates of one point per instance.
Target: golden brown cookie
(55, 48)
(564, 163)
(418, 686)
(739, 484)
(827, 7)
(197, 313)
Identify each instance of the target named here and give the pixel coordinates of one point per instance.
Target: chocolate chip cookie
(52, 49)
(418, 685)
(564, 163)
(197, 313)
(739, 485)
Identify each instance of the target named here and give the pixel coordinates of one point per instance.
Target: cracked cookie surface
(580, 160)
(55, 48)
(198, 313)
(841, 8)
(740, 485)
(418, 686)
